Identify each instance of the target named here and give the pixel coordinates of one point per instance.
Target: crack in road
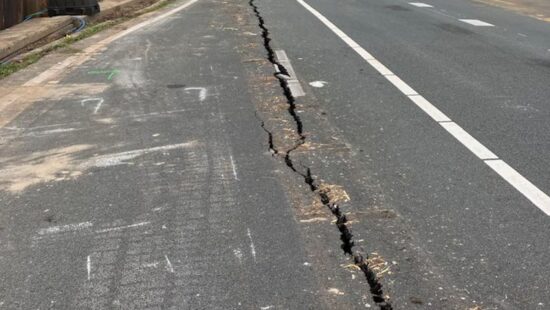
(346, 235)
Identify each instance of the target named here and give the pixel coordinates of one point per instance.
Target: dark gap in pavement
(346, 235)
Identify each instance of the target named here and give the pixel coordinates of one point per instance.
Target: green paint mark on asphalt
(109, 73)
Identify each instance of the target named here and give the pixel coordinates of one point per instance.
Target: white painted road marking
(89, 266)
(470, 142)
(429, 108)
(524, 186)
(169, 264)
(318, 84)
(203, 92)
(252, 247)
(293, 83)
(64, 228)
(98, 102)
(476, 22)
(234, 167)
(109, 160)
(421, 5)
(122, 227)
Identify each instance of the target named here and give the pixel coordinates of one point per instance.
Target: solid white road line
(524, 186)
(476, 22)
(470, 142)
(421, 5)
(429, 108)
(401, 85)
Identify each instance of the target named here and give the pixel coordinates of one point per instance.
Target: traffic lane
(497, 92)
(529, 33)
(449, 196)
(153, 208)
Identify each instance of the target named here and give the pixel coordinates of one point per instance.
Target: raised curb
(27, 35)
(24, 34)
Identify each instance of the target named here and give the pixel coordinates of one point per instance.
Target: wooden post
(12, 12)
(2, 14)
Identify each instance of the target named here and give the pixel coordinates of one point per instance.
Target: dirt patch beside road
(539, 9)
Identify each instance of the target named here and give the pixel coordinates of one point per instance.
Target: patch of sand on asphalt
(51, 165)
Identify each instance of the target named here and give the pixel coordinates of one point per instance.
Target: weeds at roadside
(64, 43)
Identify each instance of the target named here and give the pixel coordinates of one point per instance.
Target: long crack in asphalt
(346, 235)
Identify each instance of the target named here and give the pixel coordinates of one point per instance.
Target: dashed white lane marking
(421, 5)
(476, 22)
(514, 178)
(293, 83)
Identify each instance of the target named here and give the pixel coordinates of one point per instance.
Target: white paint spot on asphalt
(238, 255)
(476, 22)
(318, 84)
(203, 92)
(421, 5)
(89, 266)
(122, 227)
(234, 168)
(64, 228)
(169, 264)
(150, 265)
(97, 101)
(524, 186)
(252, 247)
(335, 291)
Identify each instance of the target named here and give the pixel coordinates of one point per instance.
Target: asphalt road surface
(289, 154)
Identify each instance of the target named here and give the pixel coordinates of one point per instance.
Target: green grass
(10, 68)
